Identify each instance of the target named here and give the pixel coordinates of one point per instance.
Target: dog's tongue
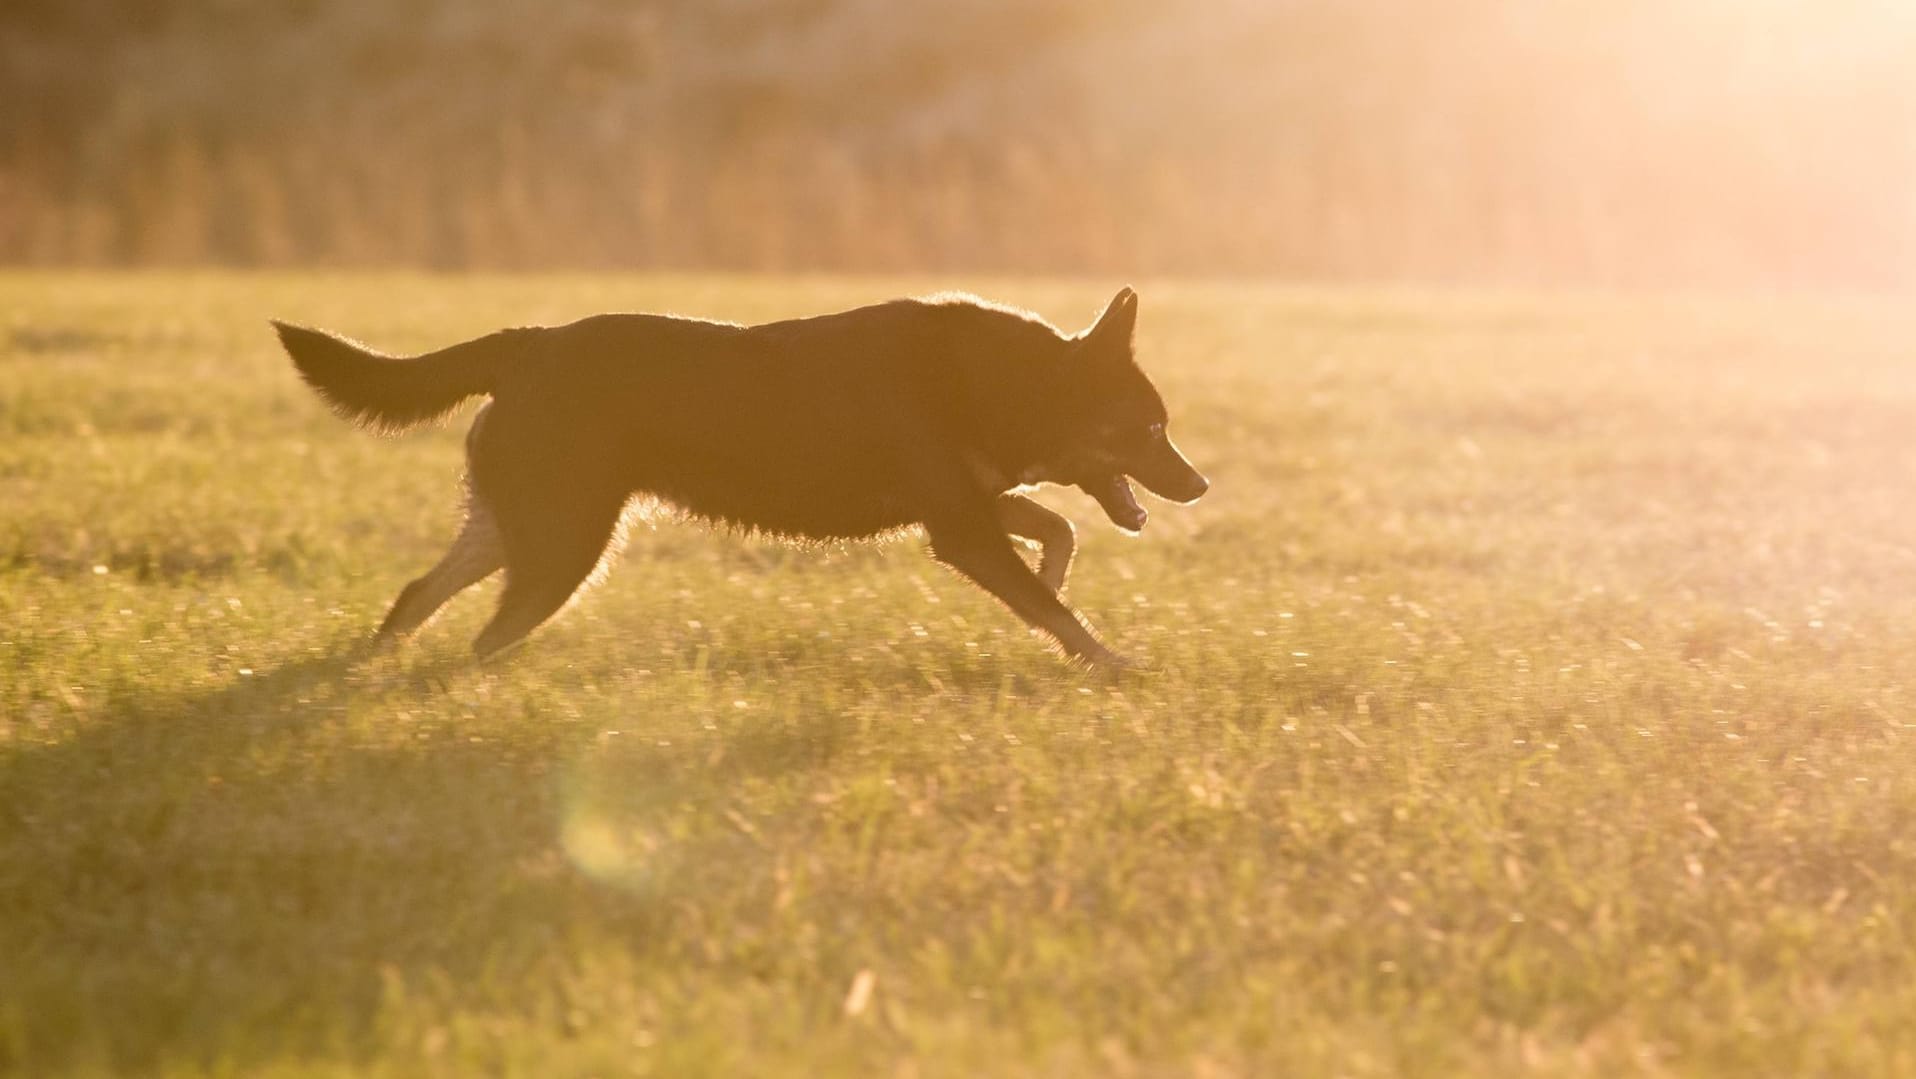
(1114, 494)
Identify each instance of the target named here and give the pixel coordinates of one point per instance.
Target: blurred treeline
(1711, 142)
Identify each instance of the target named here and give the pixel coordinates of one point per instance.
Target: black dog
(915, 412)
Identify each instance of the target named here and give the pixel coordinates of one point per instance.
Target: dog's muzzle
(1165, 473)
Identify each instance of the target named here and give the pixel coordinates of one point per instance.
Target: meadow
(1532, 694)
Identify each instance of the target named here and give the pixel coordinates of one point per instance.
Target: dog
(935, 413)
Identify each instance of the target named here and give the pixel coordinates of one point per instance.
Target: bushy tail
(392, 393)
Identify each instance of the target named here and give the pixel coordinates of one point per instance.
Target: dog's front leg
(1057, 540)
(981, 551)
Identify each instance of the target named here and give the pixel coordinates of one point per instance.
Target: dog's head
(1120, 430)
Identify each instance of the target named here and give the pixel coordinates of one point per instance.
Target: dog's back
(839, 426)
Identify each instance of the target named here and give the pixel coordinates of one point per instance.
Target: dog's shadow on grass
(255, 867)
(310, 839)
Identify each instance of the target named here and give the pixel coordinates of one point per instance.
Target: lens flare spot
(602, 850)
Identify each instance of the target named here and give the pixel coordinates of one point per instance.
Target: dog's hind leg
(553, 540)
(1056, 539)
(475, 555)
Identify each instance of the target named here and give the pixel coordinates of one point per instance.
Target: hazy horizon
(1698, 143)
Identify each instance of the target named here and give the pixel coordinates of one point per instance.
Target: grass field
(1535, 693)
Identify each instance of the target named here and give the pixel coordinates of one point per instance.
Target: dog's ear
(1113, 330)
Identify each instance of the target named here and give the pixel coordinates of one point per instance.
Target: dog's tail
(392, 393)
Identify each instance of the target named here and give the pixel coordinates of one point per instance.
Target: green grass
(1533, 695)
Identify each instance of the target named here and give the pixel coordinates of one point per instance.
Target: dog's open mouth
(1119, 503)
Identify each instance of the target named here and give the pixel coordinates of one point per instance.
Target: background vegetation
(1539, 702)
(1643, 142)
